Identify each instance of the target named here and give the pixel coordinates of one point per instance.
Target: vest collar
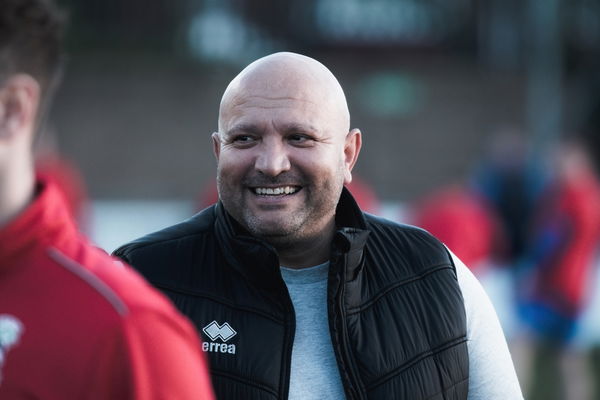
(257, 260)
(351, 236)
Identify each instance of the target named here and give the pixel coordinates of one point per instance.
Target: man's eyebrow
(287, 127)
(243, 128)
(297, 127)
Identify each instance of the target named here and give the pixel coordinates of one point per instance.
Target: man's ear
(216, 140)
(19, 102)
(351, 151)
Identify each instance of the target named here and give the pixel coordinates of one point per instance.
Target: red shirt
(461, 220)
(77, 324)
(565, 264)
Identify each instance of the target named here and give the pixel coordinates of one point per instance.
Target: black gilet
(396, 313)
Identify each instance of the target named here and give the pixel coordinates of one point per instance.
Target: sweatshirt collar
(44, 222)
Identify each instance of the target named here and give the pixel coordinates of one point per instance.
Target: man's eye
(298, 138)
(243, 139)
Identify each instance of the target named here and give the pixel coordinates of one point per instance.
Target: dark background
(427, 82)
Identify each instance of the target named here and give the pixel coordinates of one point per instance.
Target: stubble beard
(300, 225)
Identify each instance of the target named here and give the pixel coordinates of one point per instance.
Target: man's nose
(272, 159)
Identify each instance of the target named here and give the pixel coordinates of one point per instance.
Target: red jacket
(566, 242)
(76, 324)
(462, 221)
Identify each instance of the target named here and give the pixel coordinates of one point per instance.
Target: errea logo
(223, 332)
(215, 331)
(11, 330)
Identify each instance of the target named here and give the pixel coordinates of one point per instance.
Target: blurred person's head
(507, 149)
(30, 60)
(572, 158)
(284, 149)
(31, 43)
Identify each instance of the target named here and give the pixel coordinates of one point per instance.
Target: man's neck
(307, 252)
(16, 191)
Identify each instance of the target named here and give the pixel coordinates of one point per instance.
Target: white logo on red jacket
(11, 330)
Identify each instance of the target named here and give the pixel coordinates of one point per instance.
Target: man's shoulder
(406, 242)
(189, 231)
(383, 226)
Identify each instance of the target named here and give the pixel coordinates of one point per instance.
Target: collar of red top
(45, 222)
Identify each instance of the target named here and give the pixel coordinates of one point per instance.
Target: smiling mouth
(275, 191)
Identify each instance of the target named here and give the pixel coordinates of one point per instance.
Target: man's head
(30, 57)
(284, 148)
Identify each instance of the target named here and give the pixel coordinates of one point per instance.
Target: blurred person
(297, 292)
(461, 219)
(510, 183)
(74, 323)
(556, 274)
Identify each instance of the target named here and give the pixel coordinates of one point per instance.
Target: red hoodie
(77, 324)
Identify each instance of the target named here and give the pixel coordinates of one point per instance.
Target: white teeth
(275, 191)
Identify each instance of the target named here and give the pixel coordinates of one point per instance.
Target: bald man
(297, 293)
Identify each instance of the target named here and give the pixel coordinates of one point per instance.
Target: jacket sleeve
(165, 359)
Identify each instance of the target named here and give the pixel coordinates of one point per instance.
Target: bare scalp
(287, 76)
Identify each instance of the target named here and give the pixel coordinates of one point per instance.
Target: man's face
(282, 162)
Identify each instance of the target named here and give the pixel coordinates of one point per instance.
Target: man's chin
(271, 230)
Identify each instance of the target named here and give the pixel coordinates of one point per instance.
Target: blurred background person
(510, 181)
(461, 219)
(556, 274)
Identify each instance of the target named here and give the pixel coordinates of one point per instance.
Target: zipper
(286, 362)
(351, 383)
